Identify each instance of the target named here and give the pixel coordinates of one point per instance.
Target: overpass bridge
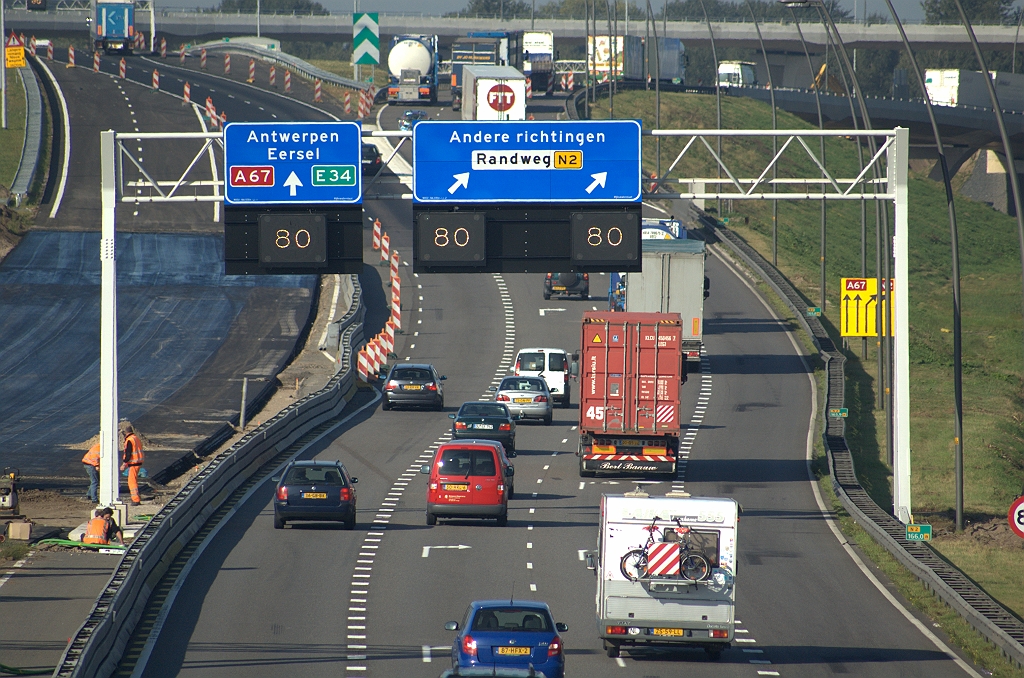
(191, 25)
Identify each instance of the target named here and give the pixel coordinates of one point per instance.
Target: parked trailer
(658, 604)
(672, 281)
(115, 26)
(631, 374)
(494, 93)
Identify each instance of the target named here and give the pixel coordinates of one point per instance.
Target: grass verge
(12, 139)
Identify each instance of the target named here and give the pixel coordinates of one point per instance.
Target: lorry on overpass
(493, 93)
(114, 23)
(666, 569)
(631, 374)
(737, 74)
(493, 48)
(673, 281)
(412, 69)
(961, 87)
(539, 59)
(632, 62)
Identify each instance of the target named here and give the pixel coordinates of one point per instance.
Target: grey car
(413, 385)
(527, 397)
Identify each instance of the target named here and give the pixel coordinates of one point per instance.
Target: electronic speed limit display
(293, 240)
(605, 237)
(452, 239)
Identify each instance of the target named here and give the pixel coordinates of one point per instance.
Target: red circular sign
(501, 97)
(1016, 516)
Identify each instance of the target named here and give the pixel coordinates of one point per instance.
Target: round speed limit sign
(1016, 516)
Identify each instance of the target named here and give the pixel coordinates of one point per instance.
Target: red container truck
(632, 368)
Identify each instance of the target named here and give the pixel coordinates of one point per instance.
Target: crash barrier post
(181, 55)
(188, 93)
(376, 233)
(163, 48)
(49, 51)
(273, 77)
(363, 366)
(529, 87)
(71, 56)
(317, 91)
(122, 69)
(100, 642)
(394, 265)
(156, 79)
(202, 59)
(348, 108)
(227, 64)
(95, 62)
(389, 332)
(287, 81)
(252, 71)
(223, 119)
(32, 45)
(385, 249)
(396, 303)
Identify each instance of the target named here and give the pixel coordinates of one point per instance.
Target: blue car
(509, 634)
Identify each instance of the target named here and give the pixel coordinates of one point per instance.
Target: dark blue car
(509, 634)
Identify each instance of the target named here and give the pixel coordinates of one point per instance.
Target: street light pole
(718, 100)
(3, 70)
(775, 140)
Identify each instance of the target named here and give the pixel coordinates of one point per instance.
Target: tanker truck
(412, 67)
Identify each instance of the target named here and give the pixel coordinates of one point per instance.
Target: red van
(469, 479)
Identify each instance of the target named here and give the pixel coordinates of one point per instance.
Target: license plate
(666, 632)
(523, 400)
(559, 288)
(485, 427)
(515, 651)
(460, 487)
(314, 495)
(412, 387)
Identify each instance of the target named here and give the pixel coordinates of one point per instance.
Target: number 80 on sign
(1016, 516)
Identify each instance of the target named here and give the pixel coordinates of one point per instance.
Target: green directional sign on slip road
(919, 532)
(365, 38)
(838, 412)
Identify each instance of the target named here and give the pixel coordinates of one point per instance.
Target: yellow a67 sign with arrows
(858, 307)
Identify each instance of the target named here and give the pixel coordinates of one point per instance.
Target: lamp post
(775, 139)
(718, 99)
(958, 385)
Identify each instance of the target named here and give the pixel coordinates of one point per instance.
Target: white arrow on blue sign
(275, 163)
(570, 161)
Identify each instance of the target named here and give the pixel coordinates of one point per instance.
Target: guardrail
(301, 68)
(30, 150)
(999, 626)
(97, 647)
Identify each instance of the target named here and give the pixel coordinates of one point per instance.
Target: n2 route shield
(301, 163)
(574, 161)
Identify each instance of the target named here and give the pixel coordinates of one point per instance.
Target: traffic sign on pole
(1016, 516)
(365, 38)
(922, 532)
(280, 163)
(14, 52)
(580, 161)
(858, 307)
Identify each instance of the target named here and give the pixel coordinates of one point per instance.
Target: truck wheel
(611, 649)
(431, 519)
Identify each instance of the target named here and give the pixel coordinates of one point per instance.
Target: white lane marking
(426, 654)
(752, 651)
(741, 630)
(767, 673)
(66, 161)
(582, 484)
(759, 661)
(745, 640)
(546, 468)
(533, 587)
(533, 510)
(540, 480)
(529, 566)
(619, 660)
(581, 553)
(565, 440)
(529, 527)
(529, 544)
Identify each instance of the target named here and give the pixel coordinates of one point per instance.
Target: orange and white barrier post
(287, 81)
(394, 266)
(188, 93)
(95, 62)
(252, 71)
(376, 234)
(223, 119)
(529, 88)
(388, 342)
(273, 77)
(227, 64)
(32, 45)
(202, 58)
(385, 249)
(373, 362)
(49, 51)
(348, 107)
(71, 56)
(317, 91)
(122, 69)
(181, 55)
(156, 79)
(572, 85)
(163, 48)
(551, 84)
(389, 332)
(396, 303)
(362, 365)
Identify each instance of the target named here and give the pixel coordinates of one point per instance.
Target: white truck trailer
(672, 281)
(493, 93)
(666, 571)
(737, 74)
(961, 87)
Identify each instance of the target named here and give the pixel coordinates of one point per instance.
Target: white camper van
(666, 571)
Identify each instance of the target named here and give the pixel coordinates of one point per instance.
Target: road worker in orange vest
(102, 528)
(91, 462)
(132, 460)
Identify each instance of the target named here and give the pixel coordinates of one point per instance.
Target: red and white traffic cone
(348, 108)
(156, 79)
(187, 99)
(163, 48)
(252, 71)
(529, 87)
(394, 266)
(317, 91)
(227, 64)
(273, 77)
(32, 45)
(385, 249)
(71, 56)
(202, 58)
(49, 51)
(287, 82)
(181, 55)
(376, 234)
(122, 69)
(95, 62)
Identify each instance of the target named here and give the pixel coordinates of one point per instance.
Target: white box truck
(737, 74)
(666, 571)
(493, 93)
(672, 281)
(629, 58)
(960, 87)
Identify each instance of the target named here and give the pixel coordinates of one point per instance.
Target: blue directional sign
(281, 163)
(526, 161)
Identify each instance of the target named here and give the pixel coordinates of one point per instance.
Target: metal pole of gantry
(897, 177)
(109, 448)
(3, 70)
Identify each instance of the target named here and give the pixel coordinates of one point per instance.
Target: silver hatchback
(527, 397)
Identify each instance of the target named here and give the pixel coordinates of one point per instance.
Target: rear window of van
(462, 462)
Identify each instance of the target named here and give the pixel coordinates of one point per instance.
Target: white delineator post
(897, 173)
(109, 457)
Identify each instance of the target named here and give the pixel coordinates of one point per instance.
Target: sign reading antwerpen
(302, 163)
(505, 161)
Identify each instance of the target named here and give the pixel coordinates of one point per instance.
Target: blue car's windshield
(511, 619)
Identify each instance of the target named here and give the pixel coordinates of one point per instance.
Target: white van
(553, 365)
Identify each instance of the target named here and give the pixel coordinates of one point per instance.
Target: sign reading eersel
(526, 161)
(275, 163)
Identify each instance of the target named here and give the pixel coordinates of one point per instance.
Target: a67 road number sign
(1016, 517)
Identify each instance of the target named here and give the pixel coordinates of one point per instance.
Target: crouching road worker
(102, 528)
(133, 459)
(91, 462)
